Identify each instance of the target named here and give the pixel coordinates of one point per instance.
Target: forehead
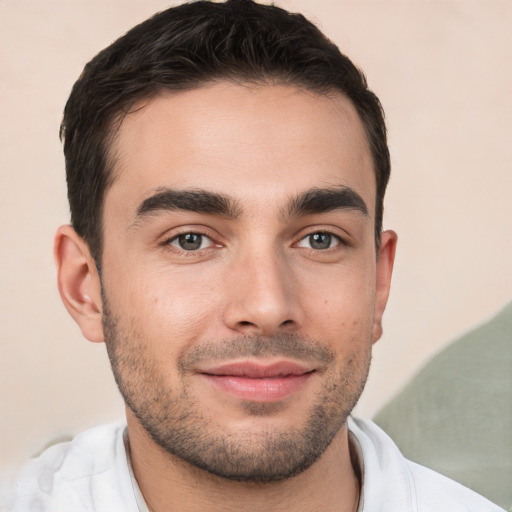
(242, 140)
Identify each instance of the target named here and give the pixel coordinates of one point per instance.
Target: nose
(262, 295)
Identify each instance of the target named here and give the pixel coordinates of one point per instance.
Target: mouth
(257, 382)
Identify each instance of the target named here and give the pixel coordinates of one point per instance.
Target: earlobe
(385, 260)
(78, 282)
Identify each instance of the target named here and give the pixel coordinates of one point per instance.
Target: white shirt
(92, 473)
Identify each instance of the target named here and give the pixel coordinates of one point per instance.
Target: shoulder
(88, 473)
(435, 491)
(391, 482)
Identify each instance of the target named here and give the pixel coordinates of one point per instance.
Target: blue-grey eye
(190, 241)
(319, 241)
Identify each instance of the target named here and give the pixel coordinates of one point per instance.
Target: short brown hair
(185, 47)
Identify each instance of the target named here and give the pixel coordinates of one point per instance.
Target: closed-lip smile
(258, 381)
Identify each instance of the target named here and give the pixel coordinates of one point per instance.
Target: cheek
(166, 305)
(181, 314)
(341, 303)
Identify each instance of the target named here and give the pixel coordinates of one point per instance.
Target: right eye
(190, 241)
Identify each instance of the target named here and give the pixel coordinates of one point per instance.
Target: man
(226, 171)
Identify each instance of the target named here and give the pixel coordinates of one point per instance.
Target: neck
(170, 484)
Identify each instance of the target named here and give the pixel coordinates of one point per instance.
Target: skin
(255, 276)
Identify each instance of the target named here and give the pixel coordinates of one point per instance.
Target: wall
(442, 71)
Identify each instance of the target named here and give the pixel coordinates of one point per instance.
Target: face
(242, 290)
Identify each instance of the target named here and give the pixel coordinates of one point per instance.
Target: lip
(259, 382)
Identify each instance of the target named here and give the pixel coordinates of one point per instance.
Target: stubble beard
(177, 425)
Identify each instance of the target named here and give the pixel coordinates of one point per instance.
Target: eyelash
(332, 237)
(169, 242)
(194, 251)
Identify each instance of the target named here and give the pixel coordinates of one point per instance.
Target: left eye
(320, 241)
(190, 241)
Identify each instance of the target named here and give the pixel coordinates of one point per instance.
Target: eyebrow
(196, 200)
(312, 201)
(323, 200)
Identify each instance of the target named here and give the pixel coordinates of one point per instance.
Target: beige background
(443, 72)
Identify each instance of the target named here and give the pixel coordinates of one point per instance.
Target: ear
(385, 260)
(79, 282)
